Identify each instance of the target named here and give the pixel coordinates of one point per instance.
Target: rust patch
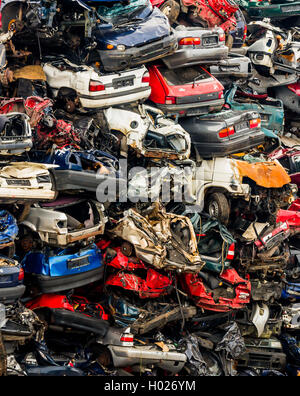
(265, 174)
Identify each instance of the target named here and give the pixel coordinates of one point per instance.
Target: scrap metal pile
(149, 173)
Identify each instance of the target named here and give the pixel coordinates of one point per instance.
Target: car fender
(259, 317)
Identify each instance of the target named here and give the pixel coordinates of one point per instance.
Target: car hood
(155, 27)
(265, 174)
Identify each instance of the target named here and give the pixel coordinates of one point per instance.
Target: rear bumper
(53, 284)
(221, 149)
(76, 180)
(79, 321)
(8, 295)
(118, 98)
(15, 147)
(189, 57)
(235, 66)
(114, 60)
(130, 356)
(277, 11)
(192, 109)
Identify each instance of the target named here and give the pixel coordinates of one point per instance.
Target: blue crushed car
(54, 270)
(11, 280)
(133, 34)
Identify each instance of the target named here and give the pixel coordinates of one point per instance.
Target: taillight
(170, 100)
(127, 338)
(245, 33)
(231, 130)
(190, 41)
(221, 95)
(230, 253)
(226, 132)
(222, 37)
(21, 274)
(146, 78)
(256, 123)
(96, 86)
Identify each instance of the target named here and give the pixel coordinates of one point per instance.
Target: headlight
(121, 47)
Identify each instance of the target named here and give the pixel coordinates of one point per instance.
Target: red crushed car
(214, 12)
(185, 91)
(217, 293)
(140, 279)
(153, 285)
(291, 217)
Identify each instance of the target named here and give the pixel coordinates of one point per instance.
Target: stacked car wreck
(149, 205)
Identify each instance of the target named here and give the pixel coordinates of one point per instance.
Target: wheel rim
(166, 11)
(213, 209)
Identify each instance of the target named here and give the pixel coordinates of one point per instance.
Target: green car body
(271, 111)
(215, 243)
(278, 9)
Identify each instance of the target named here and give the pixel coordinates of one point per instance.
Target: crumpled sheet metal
(155, 284)
(232, 342)
(194, 356)
(20, 170)
(31, 72)
(135, 127)
(156, 243)
(265, 174)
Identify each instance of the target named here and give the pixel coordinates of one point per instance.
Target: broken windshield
(119, 13)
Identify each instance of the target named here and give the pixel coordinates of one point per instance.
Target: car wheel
(218, 206)
(171, 9)
(11, 13)
(127, 249)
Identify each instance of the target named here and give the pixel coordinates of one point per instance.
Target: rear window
(183, 76)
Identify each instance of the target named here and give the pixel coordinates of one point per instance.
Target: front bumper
(189, 57)
(114, 60)
(192, 109)
(23, 195)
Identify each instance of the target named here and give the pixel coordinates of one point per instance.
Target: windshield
(123, 13)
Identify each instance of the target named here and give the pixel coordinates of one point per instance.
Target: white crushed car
(98, 90)
(150, 133)
(26, 182)
(66, 221)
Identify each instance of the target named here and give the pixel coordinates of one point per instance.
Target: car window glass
(182, 76)
(177, 142)
(118, 10)
(296, 159)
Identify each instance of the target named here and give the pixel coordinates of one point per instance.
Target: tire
(171, 9)
(217, 205)
(10, 12)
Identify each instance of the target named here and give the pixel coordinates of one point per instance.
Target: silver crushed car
(197, 45)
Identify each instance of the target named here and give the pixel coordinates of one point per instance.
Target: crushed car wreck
(149, 188)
